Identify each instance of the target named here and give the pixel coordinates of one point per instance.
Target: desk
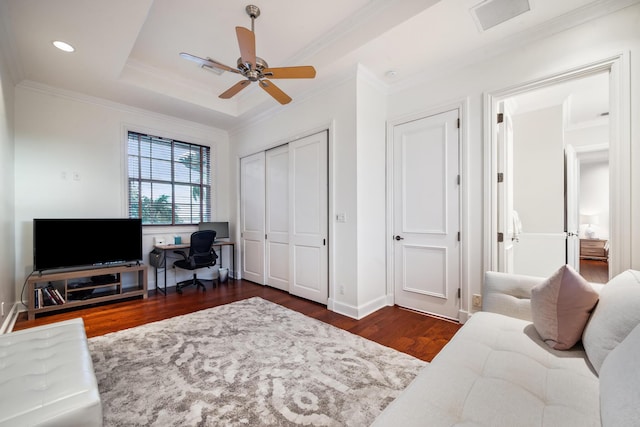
(182, 246)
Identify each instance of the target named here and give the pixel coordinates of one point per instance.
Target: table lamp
(590, 221)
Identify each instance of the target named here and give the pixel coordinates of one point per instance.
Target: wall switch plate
(477, 300)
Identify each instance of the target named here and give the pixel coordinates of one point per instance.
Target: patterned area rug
(248, 363)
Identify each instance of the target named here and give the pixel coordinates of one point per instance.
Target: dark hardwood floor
(413, 333)
(594, 270)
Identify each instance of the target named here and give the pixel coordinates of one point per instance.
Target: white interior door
(537, 173)
(572, 201)
(252, 213)
(509, 225)
(308, 219)
(277, 217)
(426, 212)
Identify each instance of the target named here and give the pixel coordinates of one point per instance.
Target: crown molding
(101, 102)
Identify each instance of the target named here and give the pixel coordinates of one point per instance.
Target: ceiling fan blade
(247, 43)
(234, 89)
(207, 62)
(275, 91)
(303, 72)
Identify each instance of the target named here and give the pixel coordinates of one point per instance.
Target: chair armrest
(509, 294)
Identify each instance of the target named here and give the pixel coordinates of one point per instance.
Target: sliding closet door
(308, 225)
(252, 199)
(277, 217)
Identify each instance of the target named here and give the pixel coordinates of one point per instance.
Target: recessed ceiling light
(391, 73)
(66, 47)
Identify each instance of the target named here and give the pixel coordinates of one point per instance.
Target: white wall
(371, 189)
(7, 146)
(587, 136)
(594, 41)
(594, 196)
(591, 143)
(60, 136)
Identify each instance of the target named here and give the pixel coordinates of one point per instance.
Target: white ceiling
(127, 51)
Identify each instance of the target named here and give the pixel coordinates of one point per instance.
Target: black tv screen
(65, 243)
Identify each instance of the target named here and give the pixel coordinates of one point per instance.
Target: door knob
(399, 238)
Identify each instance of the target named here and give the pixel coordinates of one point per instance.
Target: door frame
(464, 310)
(618, 67)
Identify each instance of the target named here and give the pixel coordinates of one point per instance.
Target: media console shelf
(83, 287)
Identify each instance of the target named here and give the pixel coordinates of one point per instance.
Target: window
(169, 181)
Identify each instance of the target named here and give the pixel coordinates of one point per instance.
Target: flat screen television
(221, 228)
(67, 243)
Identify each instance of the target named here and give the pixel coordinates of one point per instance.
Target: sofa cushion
(508, 294)
(560, 307)
(620, 384)
(497, 371)
(47, 378)
(617, 313)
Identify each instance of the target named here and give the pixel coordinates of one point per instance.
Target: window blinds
(169, 181)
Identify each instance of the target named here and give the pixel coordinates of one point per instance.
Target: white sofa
(47, 377)
(497, 371)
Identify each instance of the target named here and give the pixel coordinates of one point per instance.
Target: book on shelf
(55, 294)
(47, 296)
(39, 298)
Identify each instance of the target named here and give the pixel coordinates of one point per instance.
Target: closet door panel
(308, 225)
(277, 218)
(252, 217)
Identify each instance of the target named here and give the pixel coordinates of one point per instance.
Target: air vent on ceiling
(490, 13)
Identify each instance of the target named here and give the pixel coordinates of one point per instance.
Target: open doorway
(553, 186)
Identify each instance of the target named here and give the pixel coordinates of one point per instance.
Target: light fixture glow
(66, 47)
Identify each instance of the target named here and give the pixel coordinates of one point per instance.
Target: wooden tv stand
(77, 288)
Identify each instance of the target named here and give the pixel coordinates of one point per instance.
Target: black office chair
(201, 254)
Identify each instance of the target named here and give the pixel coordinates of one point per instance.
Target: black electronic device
(221, 228)
(82, 242)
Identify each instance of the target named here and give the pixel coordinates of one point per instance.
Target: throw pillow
(560, 307)
(617, 313)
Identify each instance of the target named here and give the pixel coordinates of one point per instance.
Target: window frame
(198, 210)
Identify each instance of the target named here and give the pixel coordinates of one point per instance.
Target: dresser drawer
(593, 248)
(592, 244)
(592, 251)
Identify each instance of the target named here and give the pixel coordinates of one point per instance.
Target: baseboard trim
(463, 316)
(10, 321)
(357, 312)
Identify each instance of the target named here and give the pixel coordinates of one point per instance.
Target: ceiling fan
(254, 68)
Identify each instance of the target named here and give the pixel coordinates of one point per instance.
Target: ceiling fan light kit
(252, 67)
